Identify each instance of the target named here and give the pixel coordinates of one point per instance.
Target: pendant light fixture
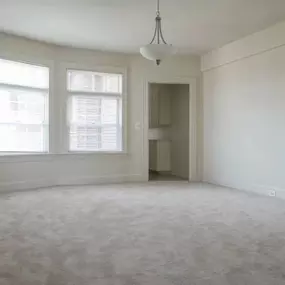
(158, 49)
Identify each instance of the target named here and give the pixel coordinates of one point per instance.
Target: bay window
(88, 120)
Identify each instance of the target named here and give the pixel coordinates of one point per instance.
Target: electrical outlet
(272, 193)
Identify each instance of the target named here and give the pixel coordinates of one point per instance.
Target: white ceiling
(194, 26)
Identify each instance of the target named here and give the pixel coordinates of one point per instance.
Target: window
(95, 111)
(24, 90)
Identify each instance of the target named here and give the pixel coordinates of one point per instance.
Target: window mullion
(98, 94)
(22, 87)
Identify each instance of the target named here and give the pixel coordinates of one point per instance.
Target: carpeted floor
(159, 233)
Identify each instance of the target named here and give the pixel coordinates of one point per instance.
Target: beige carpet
(160, 233)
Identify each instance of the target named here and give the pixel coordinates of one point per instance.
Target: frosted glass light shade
(157, 51)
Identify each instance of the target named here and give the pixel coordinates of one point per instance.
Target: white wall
(58, 169)
(244, 113)
(180, 130)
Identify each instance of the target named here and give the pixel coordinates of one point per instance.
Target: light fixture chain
(158, 30)
(158, 8)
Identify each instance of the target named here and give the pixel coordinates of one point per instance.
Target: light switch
(138, 125)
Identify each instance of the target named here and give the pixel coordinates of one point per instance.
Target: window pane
(94, 81)
(95, 124)
(85, 138)
(23, 112)
(23, 138)
(17, 73)
(80, 81)
(21, 106)
(109, 138)
(85, 110)
(90, 138)
(109, 111)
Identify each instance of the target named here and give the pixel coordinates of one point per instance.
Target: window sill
(95, 152)
(42, 157)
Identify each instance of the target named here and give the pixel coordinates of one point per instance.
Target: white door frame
(192, 82)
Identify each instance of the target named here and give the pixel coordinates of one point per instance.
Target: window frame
(49, 108)
(68, 94)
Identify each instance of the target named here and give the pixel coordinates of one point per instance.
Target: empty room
(142, 142)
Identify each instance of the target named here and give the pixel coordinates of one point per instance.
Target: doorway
(168, 132)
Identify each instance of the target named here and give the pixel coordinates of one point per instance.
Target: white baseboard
(23, 185)
(69, 181)
(89, 180)
(263, 190)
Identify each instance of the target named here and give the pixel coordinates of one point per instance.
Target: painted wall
(244, 117)
(60, 169)
(180, 131)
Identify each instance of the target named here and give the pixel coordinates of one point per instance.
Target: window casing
(94, 111)
(24, 97)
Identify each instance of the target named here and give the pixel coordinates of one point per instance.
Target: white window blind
(23, 107)
(95, 111)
